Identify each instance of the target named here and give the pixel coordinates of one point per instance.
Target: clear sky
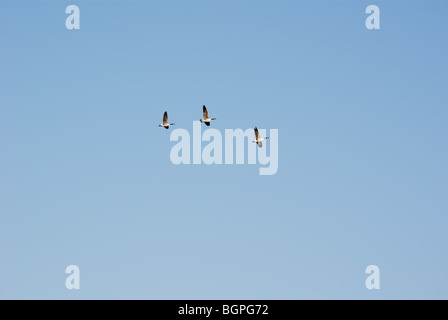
(86, 177)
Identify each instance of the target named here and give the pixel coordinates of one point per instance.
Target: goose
(165, 124)
(259, 140)
(206, 119)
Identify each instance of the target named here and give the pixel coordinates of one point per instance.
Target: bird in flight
(165, 123)
(206, 119)
(258, 140)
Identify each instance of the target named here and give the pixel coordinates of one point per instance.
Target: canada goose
(165, 124)
(258, 139)
(206, 119)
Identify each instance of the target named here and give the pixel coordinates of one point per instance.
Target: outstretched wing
(260, 144)
(256, 134)
(165, 118)
(204, 110)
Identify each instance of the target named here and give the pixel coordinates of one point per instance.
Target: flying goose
(206, 119)
(259, 140)
(165, 124)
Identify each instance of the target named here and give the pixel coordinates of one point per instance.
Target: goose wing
(165, 118)
(260, 144)
(256, 133)
(205, 112)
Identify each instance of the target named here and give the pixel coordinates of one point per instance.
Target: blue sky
(86, 177)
